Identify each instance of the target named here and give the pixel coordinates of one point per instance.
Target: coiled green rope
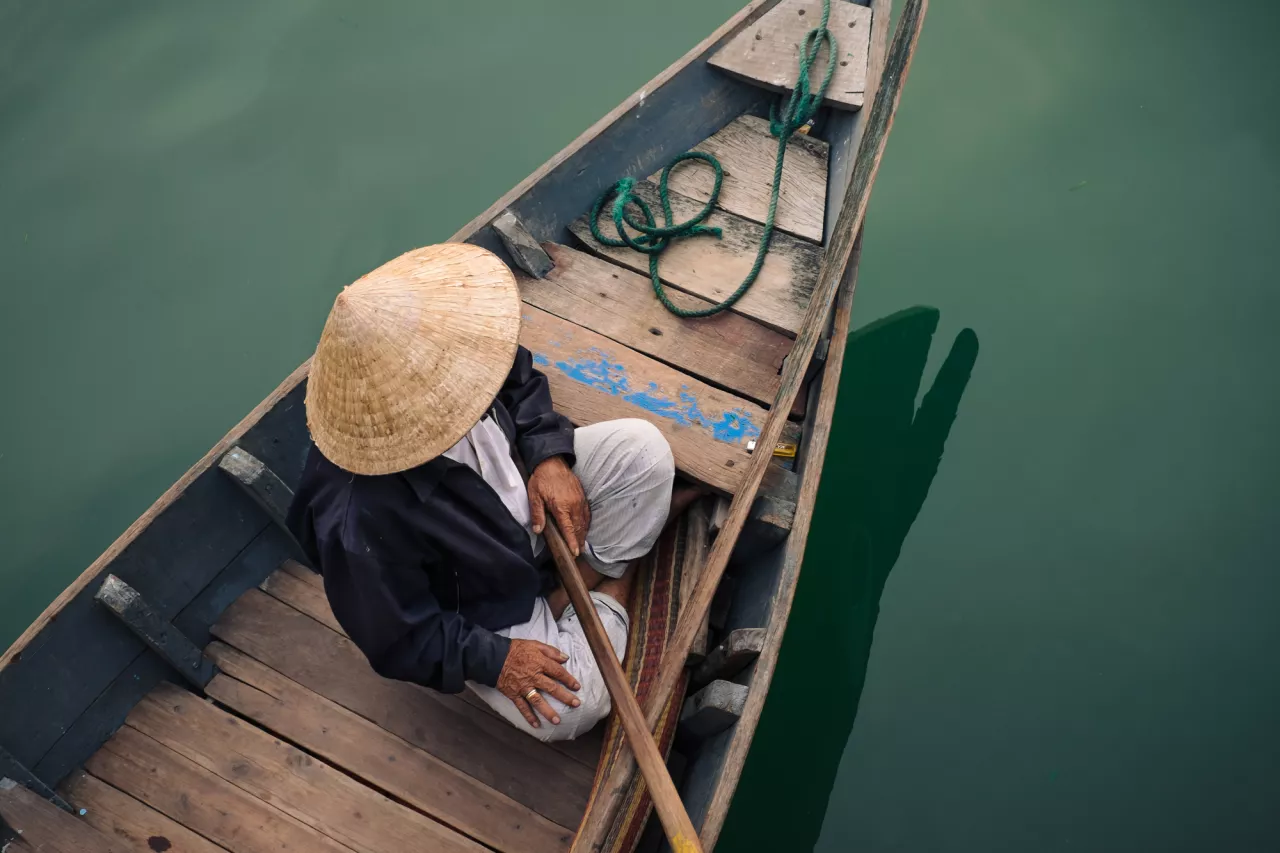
(784, 120)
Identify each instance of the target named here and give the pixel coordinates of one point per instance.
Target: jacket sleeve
(540, 432)
(391, 613)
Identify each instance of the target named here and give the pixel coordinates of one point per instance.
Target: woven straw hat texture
(411, 357)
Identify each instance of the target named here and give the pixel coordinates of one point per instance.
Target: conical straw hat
(411, 357)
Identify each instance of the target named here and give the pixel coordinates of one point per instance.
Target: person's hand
(555, 487)
(532, 667)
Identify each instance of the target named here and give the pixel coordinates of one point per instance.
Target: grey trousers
(627, 471)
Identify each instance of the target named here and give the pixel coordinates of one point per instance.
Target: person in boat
(424, 412)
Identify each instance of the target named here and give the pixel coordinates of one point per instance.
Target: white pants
(627, 471)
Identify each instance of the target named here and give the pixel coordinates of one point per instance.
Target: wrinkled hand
(531, 666)
(555, 487)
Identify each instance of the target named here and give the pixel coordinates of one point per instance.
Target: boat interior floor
(296, 743)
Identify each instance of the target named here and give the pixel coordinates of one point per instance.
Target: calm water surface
(1040, 606)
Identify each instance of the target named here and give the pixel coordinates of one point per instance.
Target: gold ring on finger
(528, 697)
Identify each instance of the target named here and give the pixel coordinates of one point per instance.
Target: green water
(1062, 638)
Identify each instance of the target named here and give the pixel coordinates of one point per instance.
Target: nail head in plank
(307, 789)
(208, 805)
(383, 760)
(712, 709)
(768, 52)
(748, 152)
(730, 657)
(45, 828)
(160, 636)
(117, 815)
(260, 482)
(594, 379)
(714, 268)
(728, 349)
(521, 245)
(486, 748)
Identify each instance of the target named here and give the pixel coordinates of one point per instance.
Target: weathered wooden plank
(768, 52)
(201, 801)
(45, 828)
(303, 573)
(160, 636)
(140, 828)
(484, 747)
(748, 152)
(301, 596)
(695, 556)
(713, 268)
(729, 657)
(594, 379)
(259, 482)
(521, 245)
(309, 790)
(712, 709)
(382, 759)
(727, 350)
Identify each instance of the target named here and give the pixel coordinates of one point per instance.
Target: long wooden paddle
(600, 817)
(666, 799)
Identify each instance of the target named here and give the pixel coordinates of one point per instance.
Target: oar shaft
(666, 799)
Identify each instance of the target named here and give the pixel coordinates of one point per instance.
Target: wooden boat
(191, 690)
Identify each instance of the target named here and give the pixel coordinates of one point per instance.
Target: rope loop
(785, 119)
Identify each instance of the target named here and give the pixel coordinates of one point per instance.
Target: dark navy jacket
(421, 567)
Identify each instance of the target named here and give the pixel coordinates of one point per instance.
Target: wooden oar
(666, 799)
(849, 222)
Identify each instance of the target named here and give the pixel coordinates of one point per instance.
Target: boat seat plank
(748, 153)
(595, 379)
(45, 828)
(200, 800)
(713, 268)
(305, 788)
(383, 760)
(484, 747)
(127, 821)
(767, 52)
(290, 585)
(727, 350)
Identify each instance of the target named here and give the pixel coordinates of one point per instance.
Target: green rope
(784, 120)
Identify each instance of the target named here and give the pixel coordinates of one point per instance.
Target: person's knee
(647, 442)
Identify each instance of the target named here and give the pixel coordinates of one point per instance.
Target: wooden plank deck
(713, 268)
(748, 151)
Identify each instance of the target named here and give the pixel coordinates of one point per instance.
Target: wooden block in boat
(768, 51)
(748, 153)
(380, 758)
(11, 768)
(713, 268)
(712, 709)
(200, 800)
(484, 747)
(260, 482)
(728, 350)
(140, 827)
(730, 657)
(594, 379)
(42, 826)
(521, 245)
(697, 544)
(160, 636)
(299, 785)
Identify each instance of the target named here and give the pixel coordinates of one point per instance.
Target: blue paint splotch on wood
(594, 368)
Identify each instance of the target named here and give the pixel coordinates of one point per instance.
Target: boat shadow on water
(879, 467)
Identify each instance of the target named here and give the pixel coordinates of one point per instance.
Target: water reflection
(876, 478)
